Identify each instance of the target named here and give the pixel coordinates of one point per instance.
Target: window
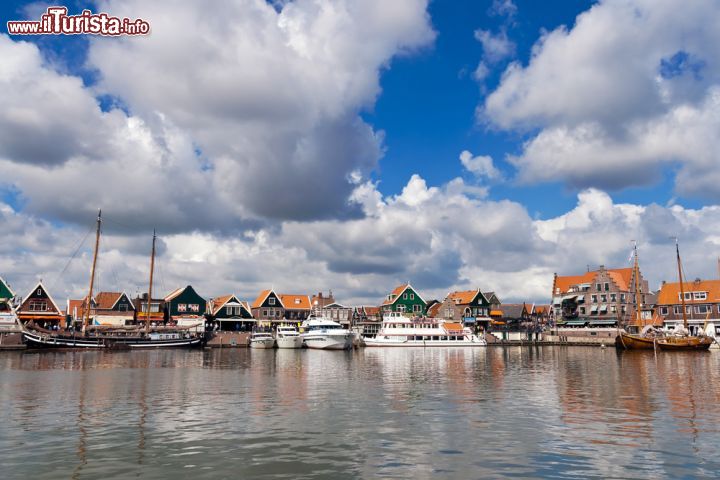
(401, 308)
(449, 313)
(594, 298)
(404, 296)
(702, 308)
(700, 295)
(613, 297)
(123, 307)
(38, 306)
(623, 309)
(265, 313)
(613, 308)
(607, 286)
(412, 296)
(582, 310)
(663, 310)
(603, 298)
(182, 307)
(271, 301)
(194, 307)
(622, 298)
(678, 309)
(417, 308)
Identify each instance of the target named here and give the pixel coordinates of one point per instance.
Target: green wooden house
(405, 299)
(229, 313)
(184, 303)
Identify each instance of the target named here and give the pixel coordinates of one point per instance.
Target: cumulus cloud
(437, 237)
(481, 165)
(250, 108)
(630, 89)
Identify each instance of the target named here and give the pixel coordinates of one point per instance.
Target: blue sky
(331, 132)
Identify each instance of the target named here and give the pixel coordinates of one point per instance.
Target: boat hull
(262, 343)
(380, 342)
(43, 341)
(329, 341)
(294, 341)
(685, 343)
(628, 341)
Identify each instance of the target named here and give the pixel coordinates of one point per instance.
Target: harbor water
(562, 412)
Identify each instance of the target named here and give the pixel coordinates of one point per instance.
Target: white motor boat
(400, 331)
(323, 333)
(262, 340)
(288, 337)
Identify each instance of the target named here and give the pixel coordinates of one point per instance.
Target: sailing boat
(681, 339)
(647, 334)
(114, 338)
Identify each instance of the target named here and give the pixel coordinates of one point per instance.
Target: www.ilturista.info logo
(56, 21)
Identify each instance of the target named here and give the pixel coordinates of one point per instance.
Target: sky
(355, 145)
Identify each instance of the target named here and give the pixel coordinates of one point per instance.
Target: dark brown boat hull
(628, 341)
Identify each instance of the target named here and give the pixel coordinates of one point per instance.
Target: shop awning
(567, 298)
(497, 322)
(575, 323)
(496, 313)
(594, 308)
(603, 308)
(603, 322)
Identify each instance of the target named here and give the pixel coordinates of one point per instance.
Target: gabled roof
(123, 294)
(398, 291)
(513, 310)
(433, 310)
(39, 285)
(465, 297)
(174, 293)
(540, 309)
(369, 310)
(263, 296)
(669, 293)
(621, 276)
(6, 293)
(334, 305)
(488, 296)
(220, 302)
(107, 300)
(295, 302)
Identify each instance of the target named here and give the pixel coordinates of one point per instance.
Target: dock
(229, 340)
(11, 341)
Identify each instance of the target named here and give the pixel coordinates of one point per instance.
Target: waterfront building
(155, 313)
(598, 298)
(367, 319)
(7, 315)
(433, 310)
(541, 314)
(516, 314)
(404, 299)
(40, 308)
(185, 307)
(702, 306)
(495, 304)
(337, 313)
(470, 307)
(107, 308)
(272, 308)
(228, 313)
(320, 300)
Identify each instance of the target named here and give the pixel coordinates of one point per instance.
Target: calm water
(453, 413)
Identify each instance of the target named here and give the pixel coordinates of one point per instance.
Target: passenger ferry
(400, 331)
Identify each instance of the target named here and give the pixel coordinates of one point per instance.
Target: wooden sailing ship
(682, 340)
(645, 336)
(96, 337)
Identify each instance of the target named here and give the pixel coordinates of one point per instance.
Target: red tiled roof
(295, 302)
(261, 298)
(464, 297)
(106, 300)
(433, 310)
(395, 294)
(669, 293)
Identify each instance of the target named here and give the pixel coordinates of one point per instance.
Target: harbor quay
(588, 309)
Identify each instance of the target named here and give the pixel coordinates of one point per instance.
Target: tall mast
(86, 320)
(638, 304)
(149, 300)
(682, 289)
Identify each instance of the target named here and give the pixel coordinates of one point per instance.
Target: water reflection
(453, 412)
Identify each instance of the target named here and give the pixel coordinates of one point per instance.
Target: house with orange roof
(470, 307)
(368, 319)
(112, 308)
(404, 299)
(598, 298)
(702, 306)
(277, 308)
(40, 308)
(229, 313)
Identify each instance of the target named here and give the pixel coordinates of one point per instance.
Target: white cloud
(438, 237)
(631, 88)
(496, 47)
(503, 8)
(481, 165)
